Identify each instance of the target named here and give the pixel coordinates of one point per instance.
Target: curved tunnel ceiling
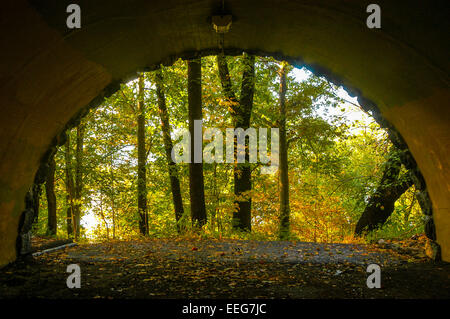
(48, 72)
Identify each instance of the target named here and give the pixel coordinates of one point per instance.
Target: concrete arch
(48, 73)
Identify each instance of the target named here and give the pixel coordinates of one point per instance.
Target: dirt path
(225, 269)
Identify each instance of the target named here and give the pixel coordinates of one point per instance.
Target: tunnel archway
(50, 74)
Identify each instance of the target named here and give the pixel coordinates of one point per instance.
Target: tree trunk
(142, 160)
(382, 202)
(69, 187)
(36, 200)
(51, 197)
(168, 145)
(241, 113)
(283, 168)
(78, 179)
(113, 212)
(196, 184)
(111, 194)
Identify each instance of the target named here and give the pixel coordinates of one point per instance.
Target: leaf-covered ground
(227, 269)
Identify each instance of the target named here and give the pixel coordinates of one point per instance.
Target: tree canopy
(336, 159)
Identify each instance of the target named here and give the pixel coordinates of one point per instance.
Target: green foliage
(335, 162)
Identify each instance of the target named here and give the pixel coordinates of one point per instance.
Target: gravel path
(224, 269)
(241, 250)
